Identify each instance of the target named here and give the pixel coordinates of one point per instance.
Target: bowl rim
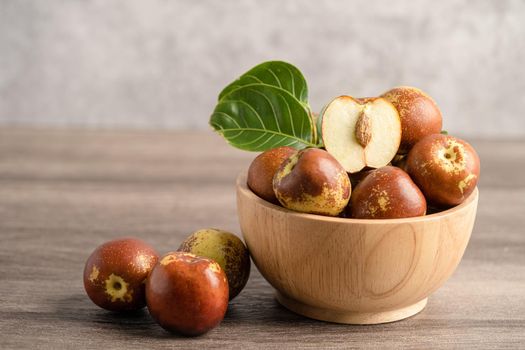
(242, 186)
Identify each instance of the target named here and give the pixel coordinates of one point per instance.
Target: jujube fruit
(387, 193)
(187, 294)
(263, 168)
(116, 272)
(445, 168)
(227, 250)
(312, 181)
(361, 132)
(419, 113)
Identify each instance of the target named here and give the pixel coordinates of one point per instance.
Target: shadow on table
(79, 309)
(245, 313)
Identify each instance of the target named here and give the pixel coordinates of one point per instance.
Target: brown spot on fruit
(214, 267)
(94, 274)
(118, 289)
(463, 184)
(383, 201)
(167, 259)
(451, 157)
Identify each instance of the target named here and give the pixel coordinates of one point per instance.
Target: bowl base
(350, 317)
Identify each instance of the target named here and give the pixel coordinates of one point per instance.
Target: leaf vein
(276, 143)
(274, 132)
(228, 116)
(254, 77)
(253, 141)
(289, 114)
(271, 106)
(268, 139)
(276, 77)
(293, 81)
(253, 109)
(236, 135)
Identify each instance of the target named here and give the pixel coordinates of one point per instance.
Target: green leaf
(275, 73)
(444, 132)
(260, 117)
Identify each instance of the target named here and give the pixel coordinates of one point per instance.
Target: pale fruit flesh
(343, 135)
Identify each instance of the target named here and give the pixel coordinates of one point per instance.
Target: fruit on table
(187, 294)
(263, 168)
(361, 132)
(312, 181)
(227, 250)
(115, 273)
(419, 113)
(387, 193)
(445, 168)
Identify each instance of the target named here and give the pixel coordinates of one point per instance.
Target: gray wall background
(161, 64)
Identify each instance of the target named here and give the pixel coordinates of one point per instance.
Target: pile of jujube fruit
(382, 158)
(186, 291)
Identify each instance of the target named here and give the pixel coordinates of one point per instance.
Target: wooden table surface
(63, 192)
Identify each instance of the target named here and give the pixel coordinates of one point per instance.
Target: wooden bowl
(353, 271)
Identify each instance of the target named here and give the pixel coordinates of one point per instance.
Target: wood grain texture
(63, 192)
(354, 271)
